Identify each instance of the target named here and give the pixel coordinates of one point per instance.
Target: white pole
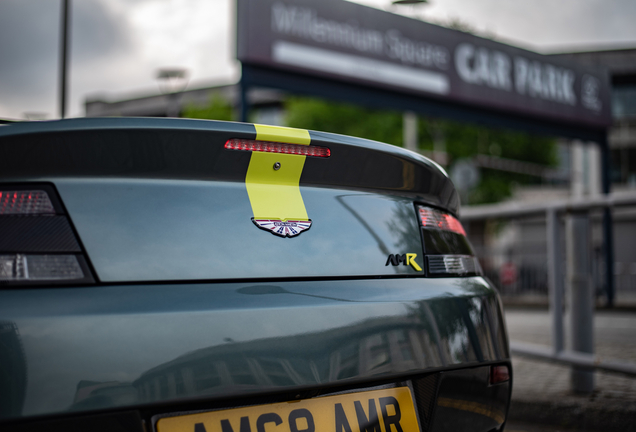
(409, 130)
(580, 296)
(555, 278)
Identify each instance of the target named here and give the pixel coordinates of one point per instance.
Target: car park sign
(348, 42)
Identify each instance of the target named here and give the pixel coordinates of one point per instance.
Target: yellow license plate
(389, 410)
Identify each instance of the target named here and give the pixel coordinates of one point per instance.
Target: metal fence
(518, 264)
(521, 270)
(560, 256)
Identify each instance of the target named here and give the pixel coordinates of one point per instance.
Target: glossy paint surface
(160, 230)
(467, 401)
(192, 301)
(106, 346)
(183, 149)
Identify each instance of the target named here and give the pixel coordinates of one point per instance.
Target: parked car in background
(165, 274)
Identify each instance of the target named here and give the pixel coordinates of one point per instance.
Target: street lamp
(64, 50)
(172, 82)
(412, 3)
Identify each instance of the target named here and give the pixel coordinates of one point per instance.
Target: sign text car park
(349, 42)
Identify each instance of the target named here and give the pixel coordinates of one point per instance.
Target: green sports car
(185, 275)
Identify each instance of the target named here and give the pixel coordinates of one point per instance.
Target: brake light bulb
(499, 374)
(276, 147)
(435, 219)
(25, 202)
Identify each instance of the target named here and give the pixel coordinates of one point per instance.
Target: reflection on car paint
(133, 219)
(13, 372)
(466, 401)
(374, 347)
(452, 322)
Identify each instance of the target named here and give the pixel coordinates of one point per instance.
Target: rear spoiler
(195, 150)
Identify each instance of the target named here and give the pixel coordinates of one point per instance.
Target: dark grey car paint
(182, 149)
(100, 347)
(159, 230)
(147, 211)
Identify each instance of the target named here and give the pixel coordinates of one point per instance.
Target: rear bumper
(143, 347)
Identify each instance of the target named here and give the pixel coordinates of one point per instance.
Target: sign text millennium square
(354, 43)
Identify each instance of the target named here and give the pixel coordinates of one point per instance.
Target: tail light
(452, 264)
(499, 374)
(275, 147)
(25, 202)
(37, 242)
(19, 267)
(446, 248)
(437, 220)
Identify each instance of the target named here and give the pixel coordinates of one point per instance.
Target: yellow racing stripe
(275, 194)
(282, 134)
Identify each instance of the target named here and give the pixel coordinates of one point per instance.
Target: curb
(585, 415)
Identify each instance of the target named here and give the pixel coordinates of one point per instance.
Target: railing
(576, 281)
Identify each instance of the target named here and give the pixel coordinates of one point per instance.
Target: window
(623, 101)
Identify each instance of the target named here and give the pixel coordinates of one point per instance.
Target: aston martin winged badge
(288, 228)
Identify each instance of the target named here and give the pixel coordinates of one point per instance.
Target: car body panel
(190, 303)
(193, 150)
(467, 401)
(89, 348)
(162, 230)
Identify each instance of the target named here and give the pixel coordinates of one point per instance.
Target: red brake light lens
(275, 147)
(37, 242)
(499, 374)
(25, 202)
(447, 250)
(435, 219)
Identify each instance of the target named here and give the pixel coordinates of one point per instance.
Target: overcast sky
(118, 45)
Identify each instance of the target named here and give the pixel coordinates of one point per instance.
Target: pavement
(541, 396)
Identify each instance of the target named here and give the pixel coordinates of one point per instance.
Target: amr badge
(405, 259)
(288, 228)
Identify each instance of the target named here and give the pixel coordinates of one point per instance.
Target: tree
(462, 140)
(342, 118)
(217, 109)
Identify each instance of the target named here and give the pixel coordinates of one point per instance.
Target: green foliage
(466, 141)
(461, 140)
(346, 119)
(217, 109)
